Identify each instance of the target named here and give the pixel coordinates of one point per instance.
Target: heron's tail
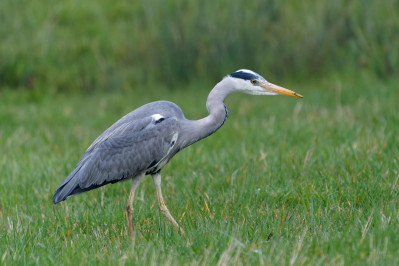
(68, 187)
(72, 185)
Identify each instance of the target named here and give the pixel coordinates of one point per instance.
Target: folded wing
(129, 150)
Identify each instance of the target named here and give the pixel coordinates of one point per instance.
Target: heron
(142, 142)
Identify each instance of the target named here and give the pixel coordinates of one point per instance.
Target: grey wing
(119, 129)
(121, 157)
(126, 128)
(139, 119)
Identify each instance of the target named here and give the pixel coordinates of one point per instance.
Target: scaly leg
(129, 207)
(161, 203)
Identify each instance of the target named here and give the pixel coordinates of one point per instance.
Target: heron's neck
(218, 112)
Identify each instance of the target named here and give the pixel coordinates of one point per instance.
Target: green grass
(52, 46)
(288, 181)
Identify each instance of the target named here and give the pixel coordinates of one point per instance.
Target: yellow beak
(270, 87)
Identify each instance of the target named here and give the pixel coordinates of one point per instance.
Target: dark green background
(63, 46)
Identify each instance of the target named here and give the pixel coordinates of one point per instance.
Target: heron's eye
(254, 81)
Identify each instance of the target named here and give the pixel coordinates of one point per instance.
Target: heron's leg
(129, 207)
(161, 203)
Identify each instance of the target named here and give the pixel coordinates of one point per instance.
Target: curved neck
(195, 130)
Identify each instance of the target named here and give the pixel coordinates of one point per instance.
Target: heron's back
(149, 131)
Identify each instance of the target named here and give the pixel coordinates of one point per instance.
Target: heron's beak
(270, 87)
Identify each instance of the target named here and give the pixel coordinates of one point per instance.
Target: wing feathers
(115, 158)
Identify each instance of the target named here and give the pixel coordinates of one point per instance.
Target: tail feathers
(71, 187)
(66, 189)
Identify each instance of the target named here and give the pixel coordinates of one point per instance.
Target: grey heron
(143, 141)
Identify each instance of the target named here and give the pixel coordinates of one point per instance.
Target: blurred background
(49, 47)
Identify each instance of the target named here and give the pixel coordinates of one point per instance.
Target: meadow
(284, 181)
(52, 46)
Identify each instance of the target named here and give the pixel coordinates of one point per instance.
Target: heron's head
(249, 82)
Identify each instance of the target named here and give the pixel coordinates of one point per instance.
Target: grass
(287, 181)
(63, 46)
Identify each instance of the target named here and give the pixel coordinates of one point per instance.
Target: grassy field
(54, 46)
(290, 181)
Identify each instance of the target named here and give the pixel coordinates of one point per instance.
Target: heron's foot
(161, 203)
(165, 212)
(180, 230)
(129, 206)
(129, 217)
